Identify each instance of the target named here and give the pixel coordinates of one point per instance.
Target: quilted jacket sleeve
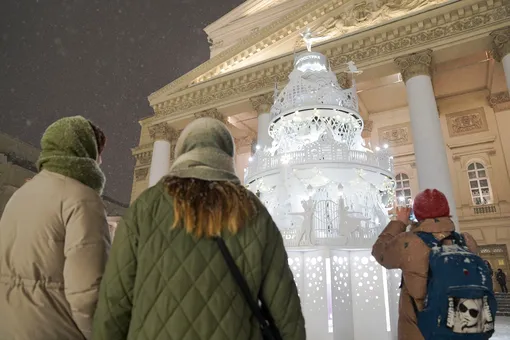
(113, 314)
(279, 290)
(87, 243)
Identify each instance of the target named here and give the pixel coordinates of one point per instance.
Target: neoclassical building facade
(435, 88)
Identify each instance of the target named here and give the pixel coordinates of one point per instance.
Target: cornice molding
(415, 64)
(376, 46)
(211, 113)
(501, 43)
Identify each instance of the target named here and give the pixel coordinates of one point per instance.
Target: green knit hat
(69, 147)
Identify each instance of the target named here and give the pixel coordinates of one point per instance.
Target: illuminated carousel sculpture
(328, 194)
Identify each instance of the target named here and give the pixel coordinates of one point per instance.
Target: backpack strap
(428, 239)
(431, 241)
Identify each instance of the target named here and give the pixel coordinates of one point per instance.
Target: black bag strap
(241, 282)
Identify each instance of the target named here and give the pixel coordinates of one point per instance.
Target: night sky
(100, 59)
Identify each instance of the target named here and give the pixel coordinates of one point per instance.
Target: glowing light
(386, 300)
(385, 146)
(250, 159)
(377, 148)
(257, 147)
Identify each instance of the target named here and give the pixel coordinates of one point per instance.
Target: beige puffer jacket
(398, 249)
(54, 243)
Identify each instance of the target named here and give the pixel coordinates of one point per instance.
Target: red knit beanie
(430, 204)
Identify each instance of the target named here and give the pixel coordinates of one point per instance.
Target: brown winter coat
(397, 249)
(54, 242)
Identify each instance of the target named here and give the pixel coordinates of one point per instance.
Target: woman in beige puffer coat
(54, 239)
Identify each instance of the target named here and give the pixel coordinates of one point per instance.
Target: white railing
(263, 161)
(361, 237)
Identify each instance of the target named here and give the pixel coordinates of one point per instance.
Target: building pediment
(330, 18)
(456, 22)
(246, 19)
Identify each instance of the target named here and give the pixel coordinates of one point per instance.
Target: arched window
(479, 184)
(403, 189)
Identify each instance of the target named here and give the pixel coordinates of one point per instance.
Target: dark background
(100, 59)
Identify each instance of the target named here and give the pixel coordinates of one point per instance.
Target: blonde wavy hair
(205, 208)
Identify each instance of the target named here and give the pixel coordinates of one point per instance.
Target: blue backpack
(460, 302)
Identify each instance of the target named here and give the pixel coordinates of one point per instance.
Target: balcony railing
(485, 209)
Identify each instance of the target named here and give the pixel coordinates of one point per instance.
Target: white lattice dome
(313, 97)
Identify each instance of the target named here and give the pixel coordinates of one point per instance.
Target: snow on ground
(502, 328)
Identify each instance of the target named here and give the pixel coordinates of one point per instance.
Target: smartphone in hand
(412, 218)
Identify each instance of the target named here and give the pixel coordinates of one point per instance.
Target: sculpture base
(345, 294)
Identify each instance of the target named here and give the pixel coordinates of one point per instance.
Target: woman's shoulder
(151, 197)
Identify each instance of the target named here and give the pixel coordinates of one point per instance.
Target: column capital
(163, 131)
(368, 125)
(499, 101)
(143, 158)
(211, 113)
(141, 174)
(344, 80)
(244, 141)
(501, 43)
(367, 128)
(262, 104)
(415, 64)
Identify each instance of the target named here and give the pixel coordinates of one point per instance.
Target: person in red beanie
(397, 249)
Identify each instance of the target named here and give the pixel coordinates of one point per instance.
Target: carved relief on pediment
(396, 135)
(467, 122)
(368, 13)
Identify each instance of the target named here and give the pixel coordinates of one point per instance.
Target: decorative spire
(309, 38)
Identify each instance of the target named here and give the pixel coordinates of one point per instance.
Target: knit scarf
(205, 150)
(69, 148)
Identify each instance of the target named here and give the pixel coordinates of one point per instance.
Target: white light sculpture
(329, 196)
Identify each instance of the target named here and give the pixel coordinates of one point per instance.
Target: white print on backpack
(469, 316)
(452, 249)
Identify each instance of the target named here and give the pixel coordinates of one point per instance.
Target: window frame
(401, 178)
(473, 169)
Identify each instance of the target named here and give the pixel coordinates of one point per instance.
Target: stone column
(501, 50)
(243, 154)
(162, 135)
(262, 104)
(429, 145)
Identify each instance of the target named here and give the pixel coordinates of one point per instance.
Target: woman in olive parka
(166, 277)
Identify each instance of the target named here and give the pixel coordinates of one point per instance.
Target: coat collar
(434, 225)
